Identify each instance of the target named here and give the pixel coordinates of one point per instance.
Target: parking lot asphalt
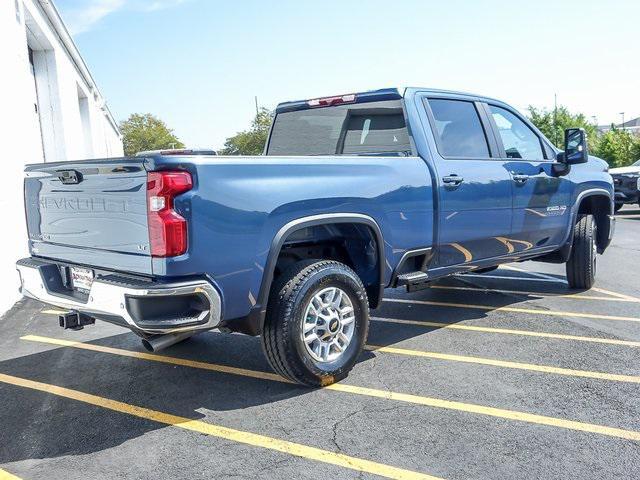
(502, 375)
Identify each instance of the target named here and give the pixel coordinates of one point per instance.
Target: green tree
(146, 132)
(618, 147)
(553, 124)
(635, 149)
(252, 141)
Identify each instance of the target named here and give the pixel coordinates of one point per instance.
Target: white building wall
(72, 122)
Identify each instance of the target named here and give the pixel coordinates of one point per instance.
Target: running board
(414, 280)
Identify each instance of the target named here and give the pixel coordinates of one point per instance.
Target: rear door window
(458, 129)
(374, 128)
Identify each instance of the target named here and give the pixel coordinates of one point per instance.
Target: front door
(475, 196)
(541, 199)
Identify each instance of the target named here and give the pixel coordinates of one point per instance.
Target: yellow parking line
(54, 312)
(157, 358)
(273, 377)
(550, 277)
(527, 293)
(493, 412)
(473, 328)
(247, 438)
(535, 311)
(505, 277)
(505, 364)
(507, 331)
(621, 296)
(369, 392)
(4, 475)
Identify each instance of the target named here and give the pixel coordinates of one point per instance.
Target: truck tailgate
(92, 212)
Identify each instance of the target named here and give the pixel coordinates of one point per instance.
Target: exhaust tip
(156, 343)
(147, 345)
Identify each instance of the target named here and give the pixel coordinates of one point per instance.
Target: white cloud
(81, 18)
(160, 4)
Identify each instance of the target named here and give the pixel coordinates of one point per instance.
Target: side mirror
(575, 146)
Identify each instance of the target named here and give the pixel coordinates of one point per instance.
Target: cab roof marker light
(330, 101)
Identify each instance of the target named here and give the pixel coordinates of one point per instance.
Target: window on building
(458, 128)
(85, 122)
(36, 103)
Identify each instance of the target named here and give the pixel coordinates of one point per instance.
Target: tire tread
(580, 272)
(282, 303)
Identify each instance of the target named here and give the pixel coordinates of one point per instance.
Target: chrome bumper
(108, 299)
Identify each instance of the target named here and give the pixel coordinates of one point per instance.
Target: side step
(414, 280)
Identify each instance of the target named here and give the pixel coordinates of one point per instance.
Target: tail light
(167, 229)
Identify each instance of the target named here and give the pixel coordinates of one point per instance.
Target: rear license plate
(81, 278)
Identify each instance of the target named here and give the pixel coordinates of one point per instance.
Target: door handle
(520, 178)
(452, 180)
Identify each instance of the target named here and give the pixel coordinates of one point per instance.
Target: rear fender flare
(258, 312)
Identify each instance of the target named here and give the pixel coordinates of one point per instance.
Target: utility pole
(555, 118)
(626, 143)
(257, 110)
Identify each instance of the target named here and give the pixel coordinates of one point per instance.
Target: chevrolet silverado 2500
(355, 193)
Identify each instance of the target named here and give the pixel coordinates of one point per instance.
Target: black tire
(581, 267)
(282, 333)
(618, 206)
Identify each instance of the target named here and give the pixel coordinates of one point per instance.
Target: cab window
(369, 128)
(518, 139)
(458, 129)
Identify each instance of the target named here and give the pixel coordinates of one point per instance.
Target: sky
(198, 64)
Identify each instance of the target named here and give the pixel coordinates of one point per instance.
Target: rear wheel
(581, 267)
(317, 322)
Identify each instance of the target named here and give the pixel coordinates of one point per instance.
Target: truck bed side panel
(239, 203)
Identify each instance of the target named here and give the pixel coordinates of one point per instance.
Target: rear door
(474, 187)
(91, 213)
(541, 199)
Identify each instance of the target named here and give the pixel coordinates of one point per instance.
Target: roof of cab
(381, 95)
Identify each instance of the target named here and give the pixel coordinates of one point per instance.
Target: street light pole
(622, 113)
(555, 117)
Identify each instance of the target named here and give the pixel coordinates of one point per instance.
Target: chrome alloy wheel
(328, 325)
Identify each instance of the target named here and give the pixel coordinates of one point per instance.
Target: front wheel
(317, 322)
(581, 267)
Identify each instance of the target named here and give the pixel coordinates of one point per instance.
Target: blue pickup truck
(354, 193)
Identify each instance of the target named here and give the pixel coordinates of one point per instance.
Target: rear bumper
(148, 307)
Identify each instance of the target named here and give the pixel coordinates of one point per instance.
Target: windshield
(636, 164)
(374, 128)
